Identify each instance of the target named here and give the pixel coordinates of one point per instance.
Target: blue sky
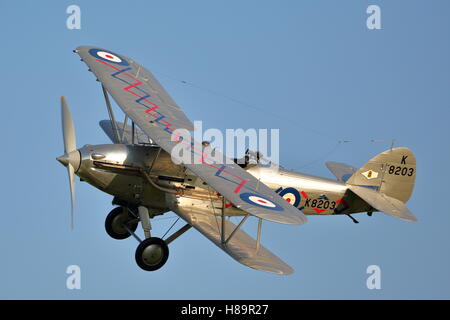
(310, 68)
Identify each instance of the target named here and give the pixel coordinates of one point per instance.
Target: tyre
(152, 254)
(114, 223)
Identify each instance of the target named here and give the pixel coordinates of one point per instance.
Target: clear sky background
(310, 68)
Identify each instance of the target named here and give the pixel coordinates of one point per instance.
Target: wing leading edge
(143, 99)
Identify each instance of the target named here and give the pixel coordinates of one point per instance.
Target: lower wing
(241, 247)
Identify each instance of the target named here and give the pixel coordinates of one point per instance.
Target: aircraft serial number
(320, 204)
(401, 171)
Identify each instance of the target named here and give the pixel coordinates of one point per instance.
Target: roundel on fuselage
(291, 195)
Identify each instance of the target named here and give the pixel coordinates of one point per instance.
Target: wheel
(116, 219)
(152, 254)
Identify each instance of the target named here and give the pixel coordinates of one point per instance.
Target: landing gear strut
(152, 253)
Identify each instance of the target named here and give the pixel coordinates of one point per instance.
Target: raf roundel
(291, 195)
(108, 57)
(259, 201)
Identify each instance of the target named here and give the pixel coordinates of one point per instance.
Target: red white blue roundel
(291, 195)
(108, 56)
(259, 201)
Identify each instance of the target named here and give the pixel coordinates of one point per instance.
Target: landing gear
(117, 222)
(152, 254)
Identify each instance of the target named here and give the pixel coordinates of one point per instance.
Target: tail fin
(392, 172)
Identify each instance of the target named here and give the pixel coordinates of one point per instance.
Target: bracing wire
(173, 224)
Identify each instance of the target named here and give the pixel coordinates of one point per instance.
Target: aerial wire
(252, 106)
(339, 143)
(249, 105)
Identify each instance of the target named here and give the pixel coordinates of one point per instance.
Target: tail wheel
(152, 254)
(115, 223)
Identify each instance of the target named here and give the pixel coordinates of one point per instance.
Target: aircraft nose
(73, 158)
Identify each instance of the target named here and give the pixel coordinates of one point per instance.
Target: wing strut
(111, 115)
(223, 231)
(258, 238)
(123, 128)
(235, 229)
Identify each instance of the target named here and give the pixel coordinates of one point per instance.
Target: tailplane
(383, 203)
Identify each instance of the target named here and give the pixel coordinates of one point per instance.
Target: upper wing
(340, 170)
(134, 88)
(143, 99)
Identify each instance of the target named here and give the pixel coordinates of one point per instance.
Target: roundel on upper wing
(259, 201)
(291, 195)
(108, 56)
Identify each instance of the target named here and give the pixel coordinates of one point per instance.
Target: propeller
(71, 158)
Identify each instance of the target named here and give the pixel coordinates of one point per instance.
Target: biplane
(147, 179)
